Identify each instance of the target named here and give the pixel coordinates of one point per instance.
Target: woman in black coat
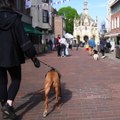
(13, 44)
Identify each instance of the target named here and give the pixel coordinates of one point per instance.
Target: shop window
(118, 40)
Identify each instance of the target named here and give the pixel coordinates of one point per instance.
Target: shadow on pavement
(31, 100)
(34, 98)
(66, 94)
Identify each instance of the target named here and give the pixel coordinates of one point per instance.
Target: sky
(95, 8)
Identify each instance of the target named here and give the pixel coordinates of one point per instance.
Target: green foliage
(69, 14)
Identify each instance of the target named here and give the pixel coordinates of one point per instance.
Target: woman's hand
(36, 62)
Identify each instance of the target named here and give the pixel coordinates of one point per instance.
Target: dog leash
(47, 64)
(37, 63)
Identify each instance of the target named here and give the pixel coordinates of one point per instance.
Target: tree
(69, 14)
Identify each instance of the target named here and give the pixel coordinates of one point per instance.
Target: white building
(86, 27)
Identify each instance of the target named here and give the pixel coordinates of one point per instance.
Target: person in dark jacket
(58, 46)
(13, 44)
(102, 47)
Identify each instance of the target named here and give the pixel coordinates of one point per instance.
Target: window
(118, 23)
(45, 16)
(45, 1)
(17, 4)
(112, 24)
(115, 22)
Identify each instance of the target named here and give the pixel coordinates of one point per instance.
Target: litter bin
(117, 52)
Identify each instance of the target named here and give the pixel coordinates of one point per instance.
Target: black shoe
(4, 116)
(8, 112)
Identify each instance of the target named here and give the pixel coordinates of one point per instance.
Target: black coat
(13, 41)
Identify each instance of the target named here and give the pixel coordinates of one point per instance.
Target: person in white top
(64, 44)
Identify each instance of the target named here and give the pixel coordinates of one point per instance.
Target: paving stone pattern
(90, 89)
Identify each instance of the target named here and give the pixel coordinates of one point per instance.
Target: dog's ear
(52, 69)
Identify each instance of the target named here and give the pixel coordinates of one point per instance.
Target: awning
(112, 34)
(68, 35)
(31, 30)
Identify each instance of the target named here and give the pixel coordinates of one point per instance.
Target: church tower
(85, 7)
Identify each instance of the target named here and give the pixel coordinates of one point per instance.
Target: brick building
(114, 32)
(115, 21)
(59, 26)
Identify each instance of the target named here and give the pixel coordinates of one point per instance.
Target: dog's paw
(45, 114)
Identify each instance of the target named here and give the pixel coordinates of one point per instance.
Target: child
(95, 55)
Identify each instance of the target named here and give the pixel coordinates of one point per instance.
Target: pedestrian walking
(77, 44)
(64, 45)
(58, 47)
(50, 43)
(102, 47)
(92, 45)
(13, 44)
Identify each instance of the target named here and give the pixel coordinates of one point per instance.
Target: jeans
(102, 52)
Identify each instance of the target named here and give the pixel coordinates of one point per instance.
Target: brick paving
(90, 89)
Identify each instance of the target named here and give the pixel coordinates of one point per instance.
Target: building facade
(115, 21)
(108, 18)
(45, 19)
(20, 7)
(114, 14)
(59, 26)
(85, 27)
(41, 12)
(33, 34)
(39, 20)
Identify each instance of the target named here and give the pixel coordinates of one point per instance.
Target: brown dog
(52, 80)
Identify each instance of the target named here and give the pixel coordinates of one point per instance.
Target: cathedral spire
(85, 7)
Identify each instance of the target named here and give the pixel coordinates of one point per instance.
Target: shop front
(114, 39)
(34, 35)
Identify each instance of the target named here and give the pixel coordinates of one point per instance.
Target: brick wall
(58, 25)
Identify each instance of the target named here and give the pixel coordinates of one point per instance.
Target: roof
(116, 1)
